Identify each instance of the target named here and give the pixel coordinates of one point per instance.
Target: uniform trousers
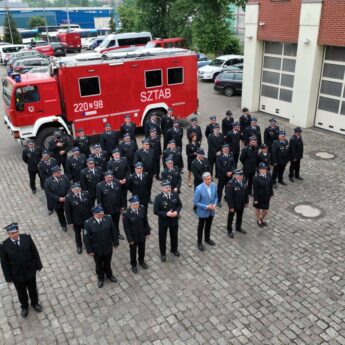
(116, 220)
(236, 156)
(295, 168)
(32, 177)
(250, 178)
(204, 224)
(22, 291)
(157, 166)
(162, 235)
(278, 170)
(212, 163)
(239, 215)
(92, 200)
(140, 246)
(77, 234)
(220, 187)
(61, 216)
(103, 265)
(149, 183)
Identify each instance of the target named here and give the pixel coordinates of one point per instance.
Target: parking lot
(279, 285)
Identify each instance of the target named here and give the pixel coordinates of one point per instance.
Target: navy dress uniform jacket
(109, 198)
(139, 187)
(236, 194)
(135, 225)
(74, 166)
(147, 158)
(89, 180)
(249, 159)
(109, 141)
(280, 152)
(45, 168)
(55, 190)
(78, 210)
(173, 176)
(32, 158)
(162, 205)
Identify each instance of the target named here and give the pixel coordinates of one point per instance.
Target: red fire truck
(71, 39)
(91, 93)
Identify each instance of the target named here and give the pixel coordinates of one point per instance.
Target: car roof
(30, 59)
(227, 57)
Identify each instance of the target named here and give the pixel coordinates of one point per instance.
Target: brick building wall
(281, 20)
(332, 26)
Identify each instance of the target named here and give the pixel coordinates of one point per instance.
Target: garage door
(330, 112)
(278, 73)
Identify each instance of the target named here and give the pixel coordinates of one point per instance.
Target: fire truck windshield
(7, 92)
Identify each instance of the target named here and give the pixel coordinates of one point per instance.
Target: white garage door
(330, 112)
(278, 73)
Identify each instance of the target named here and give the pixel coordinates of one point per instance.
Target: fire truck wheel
(44, 136)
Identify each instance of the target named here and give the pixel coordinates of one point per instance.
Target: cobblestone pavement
(280, 285)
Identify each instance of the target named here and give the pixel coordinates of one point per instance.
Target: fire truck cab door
(28, 103)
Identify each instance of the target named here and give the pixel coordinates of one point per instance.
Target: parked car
(23, 54)
(7, 50)
(59, 48)
(229, 82)
(94, 42)
(203, 60)
(24, 65)
(236, 67)
(86, 41)
(210, 71)
(46, 49)
(40, 69)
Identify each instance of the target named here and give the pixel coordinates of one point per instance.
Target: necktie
(17, 243)
(93, 171)
(79, 195)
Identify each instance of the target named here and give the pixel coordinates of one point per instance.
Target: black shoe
(50, 212)
(37, 307)
(64, 228)
(100, 283)
(177, 253)
(260, 224)
(112, 279)
(210, 242)
(283, 183)
(250, 193)
(150, 201)
(201, 247)
(34, 191)
(230, 234)
(144, 265)
(135, 269)
(291, 179)
(158, 178)
(79, 250)
(219, 205)
(163, 258)
(275, 186)
(299, 178)
(241, 231)
(264, 223)
(121, 237)
(25, 312)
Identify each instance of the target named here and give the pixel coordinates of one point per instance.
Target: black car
(23, 66)
(59, 48)
(229, 82)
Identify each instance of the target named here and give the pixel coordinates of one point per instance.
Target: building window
(153, 78)
(175, 75)
(89, 86)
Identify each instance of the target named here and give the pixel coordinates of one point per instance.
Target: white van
(9, 49)
(130, 39)
(210, 71)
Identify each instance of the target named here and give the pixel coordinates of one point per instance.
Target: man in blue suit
(205, 200)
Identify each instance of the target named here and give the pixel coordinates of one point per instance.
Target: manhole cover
(324, 155)
(308, 211)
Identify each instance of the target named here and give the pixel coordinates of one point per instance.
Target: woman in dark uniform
(191, 149)
(263, 191)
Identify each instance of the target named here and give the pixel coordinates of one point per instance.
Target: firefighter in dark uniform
(194, 128)
(83, 142)
(225, 166)
(210, 126)
(296, 154)
(56, 188)
(78, 210)
(138, 184)
(215, 143)
(280, 157)
(252, 131)
(175, 153)
(136, 228)
(233, 139)
(128, 148)
(264, 156)
(20, 261)
(146, 156)
(108, 194)
(100, 157)
(109, 140)
(191, 148)
(100, 236)
(172, 174)
(271, 134)
(167, 207)
(263, 192)
(59, 146)
(89, 178)
(156, 146)
(249, 159)
(128, 127)
(236, 194)
(175, 133)
(31, 156)
(227, 123)
(120, 168)
(245, 120)
(153, 122)
(75, 164)
(166, 124)
(199, 166)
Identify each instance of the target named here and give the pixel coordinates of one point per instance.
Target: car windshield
(7, 92)
(105, 42)
(216, 62)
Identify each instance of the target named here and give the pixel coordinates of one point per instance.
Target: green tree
(112, 24)
(11, 33)
(84, 3)
(129, 16)
(36, 21)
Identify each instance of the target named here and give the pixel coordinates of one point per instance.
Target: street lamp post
(68, 22)
(45, 20)
(9, 25)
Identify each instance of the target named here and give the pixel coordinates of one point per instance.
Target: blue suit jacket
(202, 199)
